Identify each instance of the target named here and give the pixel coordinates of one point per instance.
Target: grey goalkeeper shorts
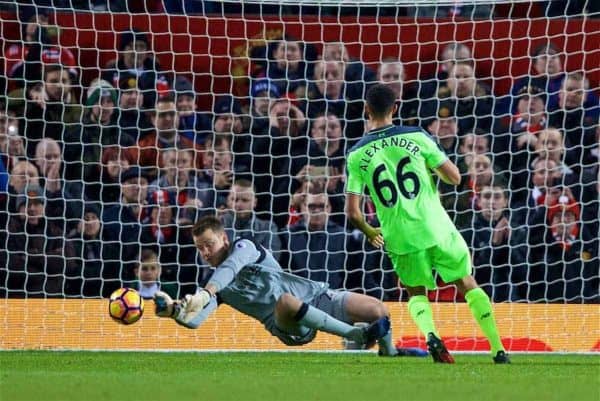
(332, 302)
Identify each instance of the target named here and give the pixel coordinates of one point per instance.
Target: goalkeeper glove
(164, 305)
(192, 305)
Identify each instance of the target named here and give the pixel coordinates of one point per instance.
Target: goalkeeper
(394, 163)
(248, 278)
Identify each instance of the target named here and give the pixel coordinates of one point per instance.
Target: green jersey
(394, 164)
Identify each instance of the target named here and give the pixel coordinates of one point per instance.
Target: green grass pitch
(86, 376)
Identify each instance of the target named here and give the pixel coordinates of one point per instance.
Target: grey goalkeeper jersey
(251, 281)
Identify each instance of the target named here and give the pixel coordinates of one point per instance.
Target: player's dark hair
(207, 223)
(380, 99)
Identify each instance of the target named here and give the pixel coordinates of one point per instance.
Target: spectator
(38, 46)
(274, 153)
(473, 100)
(563, 259)
(304, 242)
(443, 127)
(391, 71)
(325, 161)
(575, 113)
(330, 94)
(64, 197)
(83, 144)
(545, 175)
(11, 143)
(227, 121)
(498, 246)
(263, 93)
(136, 57)
(356, 74)
(481, 174)
(326, 147)
(182, 184)
(97, 263)
(108, 188)
(319, 249)
(316, 247)
(124, 222)
(549, 145)
(194, 125)
(515, 149)
(588, 190)
(471, 145)
(34, 32)
(23, 174)
(131, 119)
(37, 253)
(547, 74)
(51, 108)
(165, 136)
(148, 272)
(289, 64)
(171, 240)
(530, 116)
(240, 220)
(450, 54)
(298, 197)
(216, 173)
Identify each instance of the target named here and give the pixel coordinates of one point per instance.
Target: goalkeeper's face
(213, 246)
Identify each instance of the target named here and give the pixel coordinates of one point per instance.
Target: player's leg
(292, 315)
(363, 308)
(415, 272)
(420, 310)
(453, 261)
(481, 308)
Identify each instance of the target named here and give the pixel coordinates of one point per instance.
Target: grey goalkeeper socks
(385, 345)
(319, 320)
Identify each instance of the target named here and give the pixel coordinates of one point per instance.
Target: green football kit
(395, 164)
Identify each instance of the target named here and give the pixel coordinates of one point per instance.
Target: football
(126, 306)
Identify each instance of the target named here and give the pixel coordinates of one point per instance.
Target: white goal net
(122, 123)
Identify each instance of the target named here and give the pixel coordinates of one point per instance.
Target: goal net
(123, 123)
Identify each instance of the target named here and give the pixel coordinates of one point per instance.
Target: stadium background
(213, 51)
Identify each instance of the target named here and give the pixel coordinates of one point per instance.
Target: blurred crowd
(100, 183)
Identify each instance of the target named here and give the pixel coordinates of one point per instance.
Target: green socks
(481, 308)
(420, 310)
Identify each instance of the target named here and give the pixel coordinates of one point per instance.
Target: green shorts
(451, 259)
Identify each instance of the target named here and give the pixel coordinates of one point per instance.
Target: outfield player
(394, 163)
(248, 278)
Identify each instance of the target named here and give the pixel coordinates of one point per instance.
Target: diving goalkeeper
(248, 278)
(394, 163)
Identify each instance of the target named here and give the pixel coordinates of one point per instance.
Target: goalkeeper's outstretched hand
(192, 305)
(164, 304)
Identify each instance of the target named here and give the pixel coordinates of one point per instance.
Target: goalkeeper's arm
(191, 311)
(192, 321)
